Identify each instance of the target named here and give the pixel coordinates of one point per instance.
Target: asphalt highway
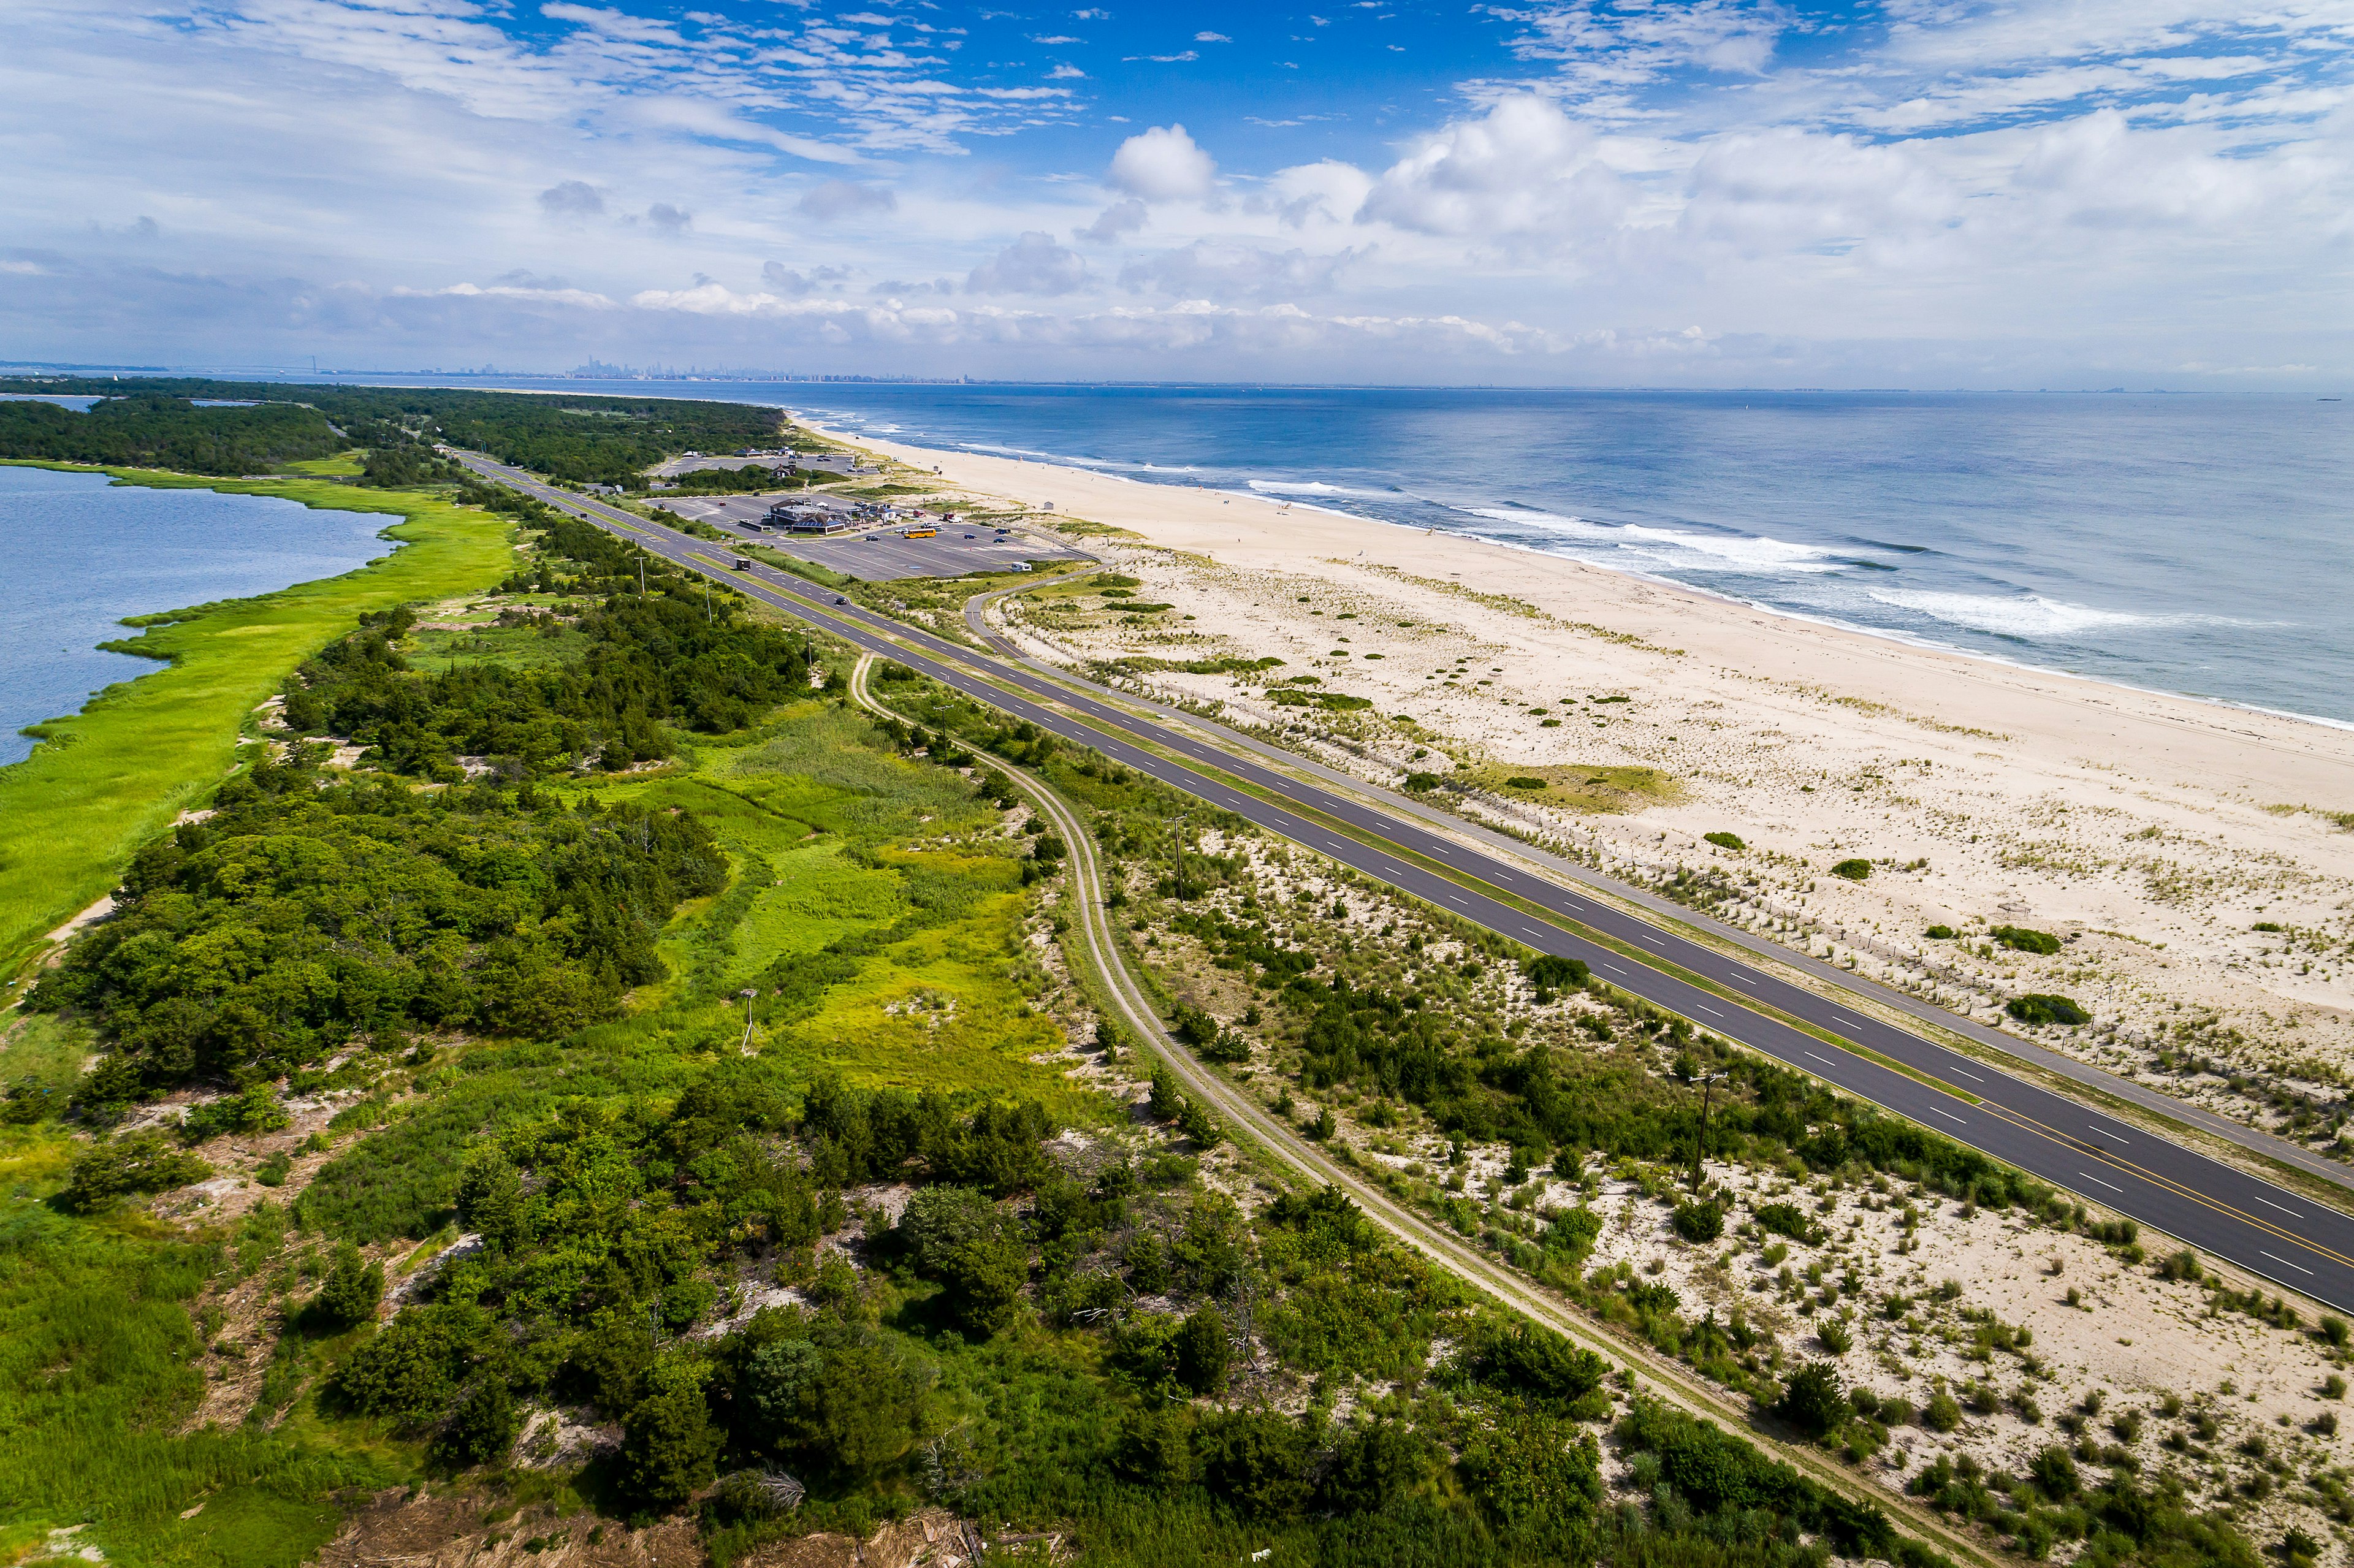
(2262, 1228)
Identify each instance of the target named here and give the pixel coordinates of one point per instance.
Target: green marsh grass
(115, 774)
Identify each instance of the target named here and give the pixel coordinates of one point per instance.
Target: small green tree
(1166, 1099)
(669, 1448)
(1814, 1400)
(1201, 1352)
(480, 1429)
(1196, 1122)
(867, 1408)
(355, 1288)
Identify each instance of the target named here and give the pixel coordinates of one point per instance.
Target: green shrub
(1548, 972)
(137, 1163)
(1537, 1364)
(1725, 841)
(350, 1297)
(1943, 1412)
(1698, 1222)
(1939, 933)
(2037, 1008)
(1524, 781)
(1420, 783)
(1201, 1352)
(669, 1448)
(1789, 1220)
(959, 1237)
(2019, 938)
(1814, 1400)
(480, 1429)
(255, 1111)
(1854, 870)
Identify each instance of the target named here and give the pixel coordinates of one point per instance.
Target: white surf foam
(1306, 487)
(1673, 550)
(2028, 616)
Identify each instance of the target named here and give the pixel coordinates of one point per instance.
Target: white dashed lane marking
(2096, 1182)
(1949, 1116)
(2286, 1263)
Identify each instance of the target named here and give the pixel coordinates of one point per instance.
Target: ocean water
(2195, 544)
(2201, 544)
(83, 552)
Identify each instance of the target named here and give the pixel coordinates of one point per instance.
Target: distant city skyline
(1555, 192)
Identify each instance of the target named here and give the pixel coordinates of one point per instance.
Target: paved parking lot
(881, 555)
(878, 554)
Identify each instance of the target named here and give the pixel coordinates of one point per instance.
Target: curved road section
(2262, 1228)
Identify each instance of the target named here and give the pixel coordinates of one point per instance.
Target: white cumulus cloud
(1163, 163)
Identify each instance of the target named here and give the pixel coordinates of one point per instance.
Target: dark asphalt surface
(2262, 1228)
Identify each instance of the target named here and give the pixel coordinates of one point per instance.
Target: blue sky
(1663, 192)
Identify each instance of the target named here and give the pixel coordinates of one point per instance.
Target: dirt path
(1245, 1115)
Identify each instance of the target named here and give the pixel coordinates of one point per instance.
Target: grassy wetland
(117, 772)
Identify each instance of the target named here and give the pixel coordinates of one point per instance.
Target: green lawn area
(119, 771)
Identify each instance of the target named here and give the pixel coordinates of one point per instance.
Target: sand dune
(2187, 853)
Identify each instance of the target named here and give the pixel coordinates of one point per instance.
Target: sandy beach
(2189, 856)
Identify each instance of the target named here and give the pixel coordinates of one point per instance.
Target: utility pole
(747, 993)
(641, 574)
(1699, 1147)
(1180, 845)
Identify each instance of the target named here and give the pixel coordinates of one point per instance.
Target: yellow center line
(2076, 1146)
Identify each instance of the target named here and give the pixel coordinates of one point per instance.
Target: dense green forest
(151, 422)
(155, 430)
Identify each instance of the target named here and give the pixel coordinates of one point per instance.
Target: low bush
(1725, 841)
(2037, 1008)
(1939, 933)
(1698, 1222)
(2020, 939)
(138, 1162)
(1522, 781)
(1854, 870)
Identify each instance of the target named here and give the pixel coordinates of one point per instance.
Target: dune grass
(1603, 789)
(118, 772)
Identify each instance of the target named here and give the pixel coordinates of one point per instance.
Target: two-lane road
(2262, 1228)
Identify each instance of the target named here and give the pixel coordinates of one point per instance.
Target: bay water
(82, 553)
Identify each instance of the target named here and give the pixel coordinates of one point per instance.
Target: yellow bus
(920, 533)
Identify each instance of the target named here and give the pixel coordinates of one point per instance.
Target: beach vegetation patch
(1330, 702)
(2040, 1007)
(1855, 870)
(1939, 933)
(1725, 841)
(1574, 788)
(1224, 664)
(2020, 939)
